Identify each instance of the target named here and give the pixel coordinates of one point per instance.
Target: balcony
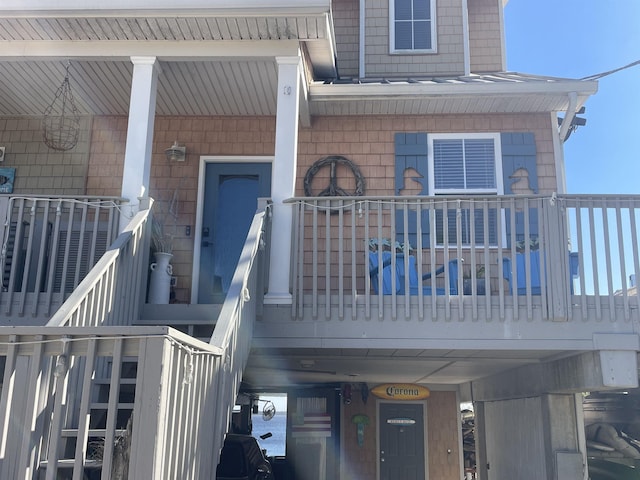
(479, 258)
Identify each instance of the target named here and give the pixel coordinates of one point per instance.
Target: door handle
(206, 244)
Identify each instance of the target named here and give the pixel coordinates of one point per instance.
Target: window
(465, 164)
(412, 25)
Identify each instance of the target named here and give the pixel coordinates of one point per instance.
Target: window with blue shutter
(411, 160)
(465, 164)
(487, 163)
(520, 177)
(412, 25)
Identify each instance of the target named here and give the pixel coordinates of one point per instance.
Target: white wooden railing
(234, 330)
(69, 393)
(122, 401)
(113, 291)
(575, 264)
(47, 245)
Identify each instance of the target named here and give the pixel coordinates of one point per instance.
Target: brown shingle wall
(360, 462)
(443, 433)
(203, 136)
(346, 22)
(449, 59)
(367, 141)
(484, 35)
(39, 169)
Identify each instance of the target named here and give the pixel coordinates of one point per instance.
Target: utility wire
(609, 72)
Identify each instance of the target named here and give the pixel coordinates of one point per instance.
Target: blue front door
(231, 193)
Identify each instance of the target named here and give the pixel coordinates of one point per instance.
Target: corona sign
(401, 391)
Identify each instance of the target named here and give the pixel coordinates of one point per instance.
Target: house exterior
(370, 217)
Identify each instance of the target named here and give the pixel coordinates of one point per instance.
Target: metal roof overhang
(30, 26)
(438, 97)
(42, 8)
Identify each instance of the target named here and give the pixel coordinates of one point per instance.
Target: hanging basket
(61, 122)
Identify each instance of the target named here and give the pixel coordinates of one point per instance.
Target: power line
(609, 72)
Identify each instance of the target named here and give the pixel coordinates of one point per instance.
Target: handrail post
(556, 260)
(150, 409)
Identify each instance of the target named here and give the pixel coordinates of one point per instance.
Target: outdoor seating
(401, 274)
(532, 264)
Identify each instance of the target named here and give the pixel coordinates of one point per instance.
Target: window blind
(464, 164)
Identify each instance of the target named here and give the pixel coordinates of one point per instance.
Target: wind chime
(61, 122)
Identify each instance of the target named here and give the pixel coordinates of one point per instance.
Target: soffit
(280, 367)
(311, 27)
(233, 87)
(178, 25)
(246, 85)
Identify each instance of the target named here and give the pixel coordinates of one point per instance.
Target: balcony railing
(113, 402)
(113, 291)
(88, 400)
(48, 246)
(466, 258)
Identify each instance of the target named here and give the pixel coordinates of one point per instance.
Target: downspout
(465, 38)
(503, 43)
(559, 140)
(361, 54)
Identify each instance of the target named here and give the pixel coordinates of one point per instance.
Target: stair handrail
(114, 286)
(233, 332)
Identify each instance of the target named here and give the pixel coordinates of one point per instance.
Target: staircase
(83, 440)
(104, 370)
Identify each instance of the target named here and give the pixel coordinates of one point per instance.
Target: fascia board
(320, 92)
(187, 50)
(175, 8)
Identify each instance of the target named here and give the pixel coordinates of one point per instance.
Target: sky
(575, 39)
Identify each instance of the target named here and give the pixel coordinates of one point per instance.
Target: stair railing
(112, 292)
(234, 330)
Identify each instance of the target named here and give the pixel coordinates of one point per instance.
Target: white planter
(160, 281)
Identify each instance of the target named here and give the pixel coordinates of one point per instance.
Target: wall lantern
(176, 153)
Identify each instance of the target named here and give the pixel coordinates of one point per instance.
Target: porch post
(137, 155)
(283, 179)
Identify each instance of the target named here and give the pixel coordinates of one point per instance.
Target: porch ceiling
(278, 367)
(227, 87)
(246, 85)
(219, 58)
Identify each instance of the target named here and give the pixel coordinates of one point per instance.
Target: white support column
(137, 156)
(283, 178)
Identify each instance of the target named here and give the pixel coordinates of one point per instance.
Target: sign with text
(401, 391)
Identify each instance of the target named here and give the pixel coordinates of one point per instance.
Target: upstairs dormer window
(412, 26)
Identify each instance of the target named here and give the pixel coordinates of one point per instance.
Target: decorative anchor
(361, 420)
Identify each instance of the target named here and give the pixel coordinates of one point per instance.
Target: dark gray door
(402, 452)
(230, 201)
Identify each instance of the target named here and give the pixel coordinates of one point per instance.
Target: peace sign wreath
(333, 190)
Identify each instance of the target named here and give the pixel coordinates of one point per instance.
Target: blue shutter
(411, 152)
(519, 170)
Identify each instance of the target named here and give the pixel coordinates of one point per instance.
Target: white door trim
(197, 237)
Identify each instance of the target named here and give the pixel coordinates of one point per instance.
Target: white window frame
(497, 150)
(497, 154)
(392, 31)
